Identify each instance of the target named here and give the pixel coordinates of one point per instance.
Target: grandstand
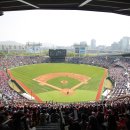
(22, 110)
(117, 72)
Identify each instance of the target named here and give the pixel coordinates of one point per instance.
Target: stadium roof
(114, 6)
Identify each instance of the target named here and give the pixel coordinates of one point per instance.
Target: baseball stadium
(58, 87)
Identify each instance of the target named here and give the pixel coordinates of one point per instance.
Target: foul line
(52, 86)
(77, 86)
(101, 85)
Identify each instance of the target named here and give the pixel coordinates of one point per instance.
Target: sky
(63, 27)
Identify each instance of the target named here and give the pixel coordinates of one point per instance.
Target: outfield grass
(78, 96)
(86, 92)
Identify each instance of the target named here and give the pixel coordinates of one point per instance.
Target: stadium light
(27, 3)
(84, 3)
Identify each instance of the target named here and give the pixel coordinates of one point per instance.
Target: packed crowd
(113, 115)
(8, 94)
(14, 61)
(97, 116)
(102, 61)
(119, 75)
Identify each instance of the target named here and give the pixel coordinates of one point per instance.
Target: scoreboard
(57, 53)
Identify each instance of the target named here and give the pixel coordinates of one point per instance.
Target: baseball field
(61, 82)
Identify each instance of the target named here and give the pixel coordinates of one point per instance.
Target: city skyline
(9, 42)
(63, 28)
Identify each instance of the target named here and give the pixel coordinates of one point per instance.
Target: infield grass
(57, 82)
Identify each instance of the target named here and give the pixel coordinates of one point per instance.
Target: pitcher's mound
(64, 81)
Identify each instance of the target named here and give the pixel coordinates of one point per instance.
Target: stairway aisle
(49, 126)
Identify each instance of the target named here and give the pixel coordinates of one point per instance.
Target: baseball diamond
(44, 78)
(61, 82)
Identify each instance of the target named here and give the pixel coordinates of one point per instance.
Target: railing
(63, 126)
(62, 121)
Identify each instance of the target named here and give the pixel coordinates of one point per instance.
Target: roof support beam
(127, 9)
(27, 3)
(7, 1)
(84, 3)
(1, 13)
(112, 1)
